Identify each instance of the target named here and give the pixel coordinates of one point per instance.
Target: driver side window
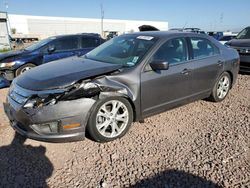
(68, 43)
(173, 51)
(63, 44)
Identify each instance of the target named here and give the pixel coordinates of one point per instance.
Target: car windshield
(39, 44)
(125, 50)
(244, 34)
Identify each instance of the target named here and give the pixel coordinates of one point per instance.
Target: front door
(164, 89)
(63, 47)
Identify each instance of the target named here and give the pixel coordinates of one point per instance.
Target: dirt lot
(202, 144)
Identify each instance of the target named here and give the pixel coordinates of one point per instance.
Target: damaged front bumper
(62, 122)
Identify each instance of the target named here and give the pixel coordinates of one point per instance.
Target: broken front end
(58, 115)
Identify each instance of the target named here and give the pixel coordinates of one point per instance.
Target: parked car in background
(112, 34)
(126, 79)
(226, 38)
(13, 64)
(4, 83)
(189, 29)
(217, 35)
(242, 44)
(194, 30)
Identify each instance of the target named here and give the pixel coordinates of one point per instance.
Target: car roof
(166, 34)
(78, 34)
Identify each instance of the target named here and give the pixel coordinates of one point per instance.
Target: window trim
(95, 38)
(167, 40)
(146, 67)
(192, 51)
(60, 51)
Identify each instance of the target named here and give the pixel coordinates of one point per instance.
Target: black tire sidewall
(214, 96)
(91, 125)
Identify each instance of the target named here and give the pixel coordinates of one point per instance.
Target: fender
(110, 87)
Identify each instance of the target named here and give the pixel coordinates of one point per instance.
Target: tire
(24, 68)
(221, 88)
(104, 125)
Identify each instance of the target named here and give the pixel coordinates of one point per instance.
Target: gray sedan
(126, 79)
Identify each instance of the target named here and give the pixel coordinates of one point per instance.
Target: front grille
(244, 54)
(18, 98)
(18, 94)
(242, 50)
(245, 64)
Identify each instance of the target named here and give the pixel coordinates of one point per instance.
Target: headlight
(30, 103)
(40, 102)
(7, 65)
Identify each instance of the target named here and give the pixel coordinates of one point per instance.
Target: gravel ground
(202, 144)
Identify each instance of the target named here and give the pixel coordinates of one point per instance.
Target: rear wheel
(221, 88)
(24, 68)
(110, 119)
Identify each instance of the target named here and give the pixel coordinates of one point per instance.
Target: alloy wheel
(25, 69)
(112, 118)
(223, 87)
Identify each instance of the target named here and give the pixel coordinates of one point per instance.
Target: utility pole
(6, 5)
(102, 17)
(221, 20)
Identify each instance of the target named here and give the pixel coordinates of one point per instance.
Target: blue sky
(208, 15)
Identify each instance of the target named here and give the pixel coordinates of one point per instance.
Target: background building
(47, 26)
(4, 32)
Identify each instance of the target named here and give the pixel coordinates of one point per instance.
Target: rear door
(64, 47)
(165, 89)
(207, 64)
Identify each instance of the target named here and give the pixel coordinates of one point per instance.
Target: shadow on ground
(24, 165)
(175, 179)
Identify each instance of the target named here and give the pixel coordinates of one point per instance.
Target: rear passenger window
(203, 48)
(173, 51)
(69, 43)
(89, 42)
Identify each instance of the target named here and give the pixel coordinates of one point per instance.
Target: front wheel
(110, 119)
(24, 68)
(221, 88)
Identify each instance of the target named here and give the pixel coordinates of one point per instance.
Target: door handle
(220, 63)
(186, 71)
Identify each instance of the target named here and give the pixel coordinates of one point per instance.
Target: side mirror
(159, 65)
(51, 49)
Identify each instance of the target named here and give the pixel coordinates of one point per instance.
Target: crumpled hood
(240, 42)
(10, 56)
(62, 73)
